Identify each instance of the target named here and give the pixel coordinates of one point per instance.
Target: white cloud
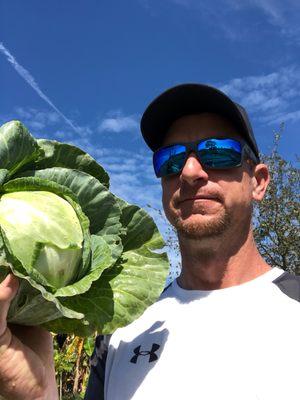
(271, 8)
(116, 122)
(22, 113)
(269, 97)
(117, 164)
(132, 176)
(291, 116)
(46, 124)
(283, 15)
(36, 119)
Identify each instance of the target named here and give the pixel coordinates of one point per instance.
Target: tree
(211, 144)
(276, 218)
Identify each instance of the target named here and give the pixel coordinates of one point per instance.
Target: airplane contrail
(30, 80)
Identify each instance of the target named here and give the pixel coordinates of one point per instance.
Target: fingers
(8, 290)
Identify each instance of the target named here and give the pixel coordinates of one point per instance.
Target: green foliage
(72, 365)
(277, 217)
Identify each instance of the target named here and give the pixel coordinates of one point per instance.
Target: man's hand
(26, 355)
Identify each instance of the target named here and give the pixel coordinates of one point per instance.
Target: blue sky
(83, 72)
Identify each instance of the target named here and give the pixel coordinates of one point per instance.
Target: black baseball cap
(192, 98)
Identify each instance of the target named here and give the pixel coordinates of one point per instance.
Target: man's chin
(200, 227)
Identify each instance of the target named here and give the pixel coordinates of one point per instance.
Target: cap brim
(187, 99)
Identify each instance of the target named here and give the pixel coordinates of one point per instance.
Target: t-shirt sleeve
(95, 388)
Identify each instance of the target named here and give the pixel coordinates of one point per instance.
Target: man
(226, 328)
(222, 330)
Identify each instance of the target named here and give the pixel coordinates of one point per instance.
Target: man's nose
(193, 171)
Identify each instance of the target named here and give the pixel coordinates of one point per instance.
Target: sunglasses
(213, 153)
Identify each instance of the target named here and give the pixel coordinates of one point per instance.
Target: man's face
(200, 202)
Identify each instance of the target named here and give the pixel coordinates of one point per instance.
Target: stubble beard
(214, 227)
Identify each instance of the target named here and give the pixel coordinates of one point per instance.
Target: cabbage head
(87, 261)
(44, 233)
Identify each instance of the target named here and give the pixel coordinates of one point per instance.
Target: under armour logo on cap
(152, 356)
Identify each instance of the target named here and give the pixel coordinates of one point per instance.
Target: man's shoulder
(155, 313)
(289, 284)
(167, 289)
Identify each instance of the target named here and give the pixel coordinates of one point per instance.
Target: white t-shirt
(238, 343)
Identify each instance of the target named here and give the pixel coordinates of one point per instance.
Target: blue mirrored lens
(169, 160)
(214, 153)
(220, 153)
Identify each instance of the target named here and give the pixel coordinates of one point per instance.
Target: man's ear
(261, 179)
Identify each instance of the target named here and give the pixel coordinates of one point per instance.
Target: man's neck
(213, 264)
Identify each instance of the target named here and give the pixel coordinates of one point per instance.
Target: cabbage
(44, 233)
(87, 261)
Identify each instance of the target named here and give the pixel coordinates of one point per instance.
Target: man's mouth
(199, 198)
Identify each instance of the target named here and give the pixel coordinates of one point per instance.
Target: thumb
(8, 289)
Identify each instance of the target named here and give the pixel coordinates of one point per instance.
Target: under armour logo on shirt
(152, 356)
